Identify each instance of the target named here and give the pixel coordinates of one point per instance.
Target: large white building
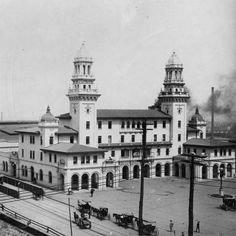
(91, 148)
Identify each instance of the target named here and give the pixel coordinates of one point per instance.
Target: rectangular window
(50, 157)
(87, 159)
(167, 152)
(204, 151)
(109, 139)
(133, 125)
(128, 124)
(155, 138)
(82, 159)
(138, 125)
(179, 137)
(33, 152)
(55, 158)
(215, 152)
(179, 123)
(188, 150)
(158, 151)
(99, 124)
(122, 138)
(224, 151)
(22, 153)
(99, 139)
(195, 150)
(75, 160)
(163, 137)
(41, 156)
(155, 124)
(87, 140)
(133, 138)
(87, 125)
(30, 154)
(164, 124)
(122, 125)
(71, 139)
(229, 152)
(109, 124)
(112, 153)
(22, 138)
(95, 159)
(51, 140)
(221, 152)
(179, 150)
(32, 139)
(41, 140)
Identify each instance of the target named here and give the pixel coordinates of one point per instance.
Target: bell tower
(173, 100)
(83, 97)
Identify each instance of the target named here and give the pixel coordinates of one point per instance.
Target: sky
(130, 41)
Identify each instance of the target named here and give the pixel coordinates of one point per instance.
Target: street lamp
(221, 173)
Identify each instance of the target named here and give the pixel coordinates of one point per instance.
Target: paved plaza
(165, 199)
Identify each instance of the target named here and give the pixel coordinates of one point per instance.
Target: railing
(28, 221)
(11, 192)
(82, 90)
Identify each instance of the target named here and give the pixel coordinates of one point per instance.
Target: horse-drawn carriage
(82, 221)
(38, 194)
(101, 213)
(84, 208)
(229, 203)
(124, 219)
(147, 227)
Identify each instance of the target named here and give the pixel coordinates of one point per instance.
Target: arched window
(26, 171)
(50, 177)
(89, 69)
(6, 166)
(40, 175)
(3, 165)
(23, 170)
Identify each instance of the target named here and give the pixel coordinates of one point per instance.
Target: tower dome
(48, 116)
(174, 61)
(197, 117)
(83, 53)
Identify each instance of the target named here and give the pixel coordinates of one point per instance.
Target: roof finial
(48, 109)
(197, 111)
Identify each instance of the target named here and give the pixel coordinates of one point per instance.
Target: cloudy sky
(130, 42)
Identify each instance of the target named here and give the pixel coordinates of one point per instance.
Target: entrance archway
(229, 170)
(75, 182)
(14, 169)
(136, 172)
(215, 171)
(125, 172)
(177, 169)
(84, 181)
(32, 173)
(146, 171)
(204, 172)
(183, 170)
(94, 180)
(158, 170)
(167, 169)
(61, 182)
(109, 180)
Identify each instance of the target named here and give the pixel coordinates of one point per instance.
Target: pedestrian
(69, 191)
(171, 225)
(92, 191)
(198, 227)
(182, 234)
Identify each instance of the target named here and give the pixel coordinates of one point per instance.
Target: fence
(10, 192)
(28, 222)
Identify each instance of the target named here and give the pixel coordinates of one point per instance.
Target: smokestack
(212, 114)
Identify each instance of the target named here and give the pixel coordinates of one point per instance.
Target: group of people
(171, 225)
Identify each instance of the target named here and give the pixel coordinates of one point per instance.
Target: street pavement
(165, 199)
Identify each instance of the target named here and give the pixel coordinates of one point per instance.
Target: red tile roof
(72, 148)
(64, 130)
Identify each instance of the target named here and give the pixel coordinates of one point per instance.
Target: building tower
(197, 122)
(82, 98)
(173, 101)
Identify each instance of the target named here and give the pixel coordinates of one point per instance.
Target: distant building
(96, 148)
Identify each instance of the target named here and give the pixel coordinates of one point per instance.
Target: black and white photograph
(117, 117)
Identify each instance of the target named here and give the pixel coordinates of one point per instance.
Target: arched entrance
(125, 172)
(14, 169)
(215, 171)
(109, 180)
(183, 170)
(62, 182)
(75, 182)
(229, 170)
(136, 172)
(94, 180)
(158, 170)
(177, 169)
(146, 171)
(32, 173)
(204, 172)
(84, 181)
(167, 169)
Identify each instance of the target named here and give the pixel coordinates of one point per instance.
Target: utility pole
(192, 163)
(144, 128)
(70, 217)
